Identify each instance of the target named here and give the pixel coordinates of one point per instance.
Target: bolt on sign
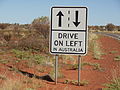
(68, 30)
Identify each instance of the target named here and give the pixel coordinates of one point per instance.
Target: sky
(100, 12)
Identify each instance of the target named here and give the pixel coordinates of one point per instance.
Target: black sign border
(86, 34)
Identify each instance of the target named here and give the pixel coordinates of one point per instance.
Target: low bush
(24, 55)
(21, 84)
(117, 58)
(75, 82)
(96, 66)
(4, 61)
(113, 52)
(31, 42)
(7, 36)
(52, 74)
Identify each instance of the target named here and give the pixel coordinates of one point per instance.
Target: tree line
(41, 25)
(108, 27)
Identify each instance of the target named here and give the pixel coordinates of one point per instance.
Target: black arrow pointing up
(60, 14)
(76, 23)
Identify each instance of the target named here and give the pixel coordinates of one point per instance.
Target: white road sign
(68, 30)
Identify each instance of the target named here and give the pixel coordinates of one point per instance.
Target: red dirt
(95, 78)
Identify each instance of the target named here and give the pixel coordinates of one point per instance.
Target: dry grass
(112, 32)
(75, 82)
(114, 79)
(94, 46)
(66, 58)
(21, 83)
(11, 84)
(92, 36)
(97, 50)
(3, 76)
(67, 88)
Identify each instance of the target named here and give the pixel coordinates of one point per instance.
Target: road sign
(68, 30)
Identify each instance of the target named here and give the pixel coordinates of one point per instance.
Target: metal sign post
(79, 69)
(56, 68)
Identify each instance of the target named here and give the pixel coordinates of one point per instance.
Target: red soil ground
(96, 79)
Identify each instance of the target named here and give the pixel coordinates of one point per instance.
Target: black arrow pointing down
(76, 23)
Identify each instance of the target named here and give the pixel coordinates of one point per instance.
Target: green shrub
(112, 52)
(24, 55)
(4, 61)
(38, 59)
(96, 66)
(52, 74)
(13, 69)
(75, 82)
(21, 54)
(117, 58)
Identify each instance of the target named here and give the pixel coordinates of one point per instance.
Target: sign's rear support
(56, 68)
(79, 69)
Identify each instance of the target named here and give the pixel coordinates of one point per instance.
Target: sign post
(68, 33)
(79, 69)
(56, 68)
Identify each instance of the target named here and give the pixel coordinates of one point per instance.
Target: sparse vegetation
(94, 46)
(97, 51)
(4, 61)
(41, 25)
(109, 27)
(117, 58)
(33, 42)
(7, 36)
(113, 52)
(34, 85)
(27, 45)
(33, 36)
(42, 70)
(21, 84)
(13, 69)
(12, 85)
(114, 85)
(25, 55)
(75, 82)
(3, 77)
(52, 74)
(96, 66)
(66, 58)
